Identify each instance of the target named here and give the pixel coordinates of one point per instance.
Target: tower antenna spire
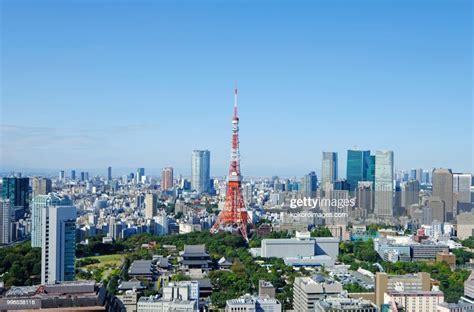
(235, 99)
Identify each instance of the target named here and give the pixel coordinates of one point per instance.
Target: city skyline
(366, 80)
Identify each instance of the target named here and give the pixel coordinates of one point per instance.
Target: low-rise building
(249, 303)
(344, 304)
(308, 290)
(415, 300)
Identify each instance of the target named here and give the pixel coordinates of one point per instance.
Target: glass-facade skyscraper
(358, 167)
(17, 191)
(309, 184)
(40, 202)
(200, 171)
(329, 170)
(384, 176)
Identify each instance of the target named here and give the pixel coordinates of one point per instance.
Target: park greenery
(20, 265)
(109, 263)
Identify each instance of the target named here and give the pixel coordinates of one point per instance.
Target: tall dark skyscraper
(17, 191)
(109, 173)
(309, 184)
(371, 172)
(358, 167)
(73, 175)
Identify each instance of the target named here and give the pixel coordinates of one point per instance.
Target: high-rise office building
(384, 176)
(17, 191)
(462, 187)
(200, 171)
(371, 172)
(419, 175)
(329, 170)
(151, 201)
(109, 173)
(410, 193)
(443, 190)
(58, 244)
(140, 174)
(365, 196)
(62, 175)
(41, 186)
(358, 167)
(73, 175)
(309, 184)
(167, 178)
(5, 221)
(437, 207)
(41, 202)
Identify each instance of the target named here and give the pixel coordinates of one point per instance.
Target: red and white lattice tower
(234, 215)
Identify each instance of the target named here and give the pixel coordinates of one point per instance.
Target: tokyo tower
(234, 215)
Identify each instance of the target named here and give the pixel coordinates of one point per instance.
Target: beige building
(426, 301)
(465, 225)
(411, 282)
(443, 190)
(151, 201)
(449, 258)
(308, 290)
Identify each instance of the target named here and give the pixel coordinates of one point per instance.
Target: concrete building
(329, 170)
(249, 303)
(438, 210)
(411, 282)
(465, 225)
(200, 171)
(129, 300)
(427, 250)
(58, 248)
(365, 196)
(41, 186)
(154, 304)
(443, 190)
(455, 307)
(344, 304)
(151, 202)
(469, 288)
(426, 301)
(462, 187)
(5, 221)
(266, 288)
(309, 290)
(410, 193)
(384, 177)
(300, 248)
(167, 178)
(65, 296)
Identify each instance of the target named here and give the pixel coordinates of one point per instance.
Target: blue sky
(87, 84)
